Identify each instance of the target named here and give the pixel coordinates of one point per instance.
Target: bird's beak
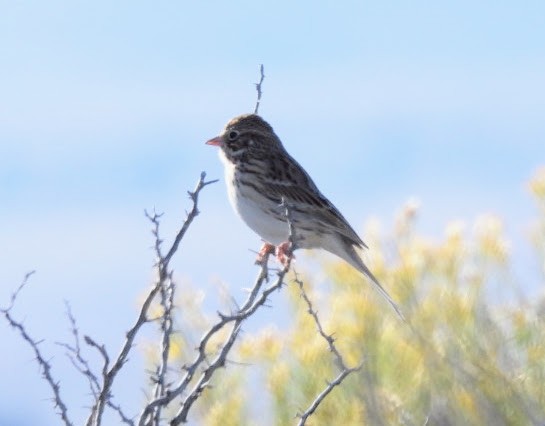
(215, 141)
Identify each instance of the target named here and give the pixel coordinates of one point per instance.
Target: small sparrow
(260, 175)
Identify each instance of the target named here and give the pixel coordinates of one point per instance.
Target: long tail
(354, 259)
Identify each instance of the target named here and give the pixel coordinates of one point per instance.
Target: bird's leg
(284, 253)
(266, 249)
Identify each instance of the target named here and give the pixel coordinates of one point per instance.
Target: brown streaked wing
(289, 180)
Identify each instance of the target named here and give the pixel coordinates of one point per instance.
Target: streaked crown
(248, 135)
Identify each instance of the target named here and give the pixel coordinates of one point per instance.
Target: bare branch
(293, 238)
(76, 357)
(258, 88)
(16, 292)
(316, 403)
(167, 302)
(122, 416)
(256, 299)
(312, 312)
(109, 374)
(189, 219)
(154, 219)
(44, 365)
(250, 305)
(345, 371)
(102, 351)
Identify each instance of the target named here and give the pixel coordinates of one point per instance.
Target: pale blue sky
(105, 107)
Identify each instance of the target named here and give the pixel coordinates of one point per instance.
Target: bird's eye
(233, 134)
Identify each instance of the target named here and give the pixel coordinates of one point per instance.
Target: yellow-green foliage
(465, 359)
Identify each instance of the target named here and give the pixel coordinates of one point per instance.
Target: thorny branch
(162, 264)
(74, 353)
(44, 365)
(252, 303)
(256, 299)
(345, 371)
(330, 386)
(197, 375)
(258, 88)
(101, 386)
(167, 322)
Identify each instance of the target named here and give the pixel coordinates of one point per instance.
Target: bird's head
(245, 135)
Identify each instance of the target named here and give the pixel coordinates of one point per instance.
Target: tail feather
(352, 257)
(382, 290)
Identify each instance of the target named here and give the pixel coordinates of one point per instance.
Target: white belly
(254, 208)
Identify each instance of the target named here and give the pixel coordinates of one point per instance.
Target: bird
(261, 176)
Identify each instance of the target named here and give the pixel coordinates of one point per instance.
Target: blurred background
(105, 108)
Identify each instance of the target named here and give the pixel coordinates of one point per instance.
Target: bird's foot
(266, 249)
(284, 253)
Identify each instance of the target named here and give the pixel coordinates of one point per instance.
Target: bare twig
(194, 196)
(314, 314)
(109, 373)
(316, 403)
(102, 351)
(167, 302)
(344, 370)
(253, 303)
(44, 365)
(122, 416)
(293, 238)
(256, 299)
(258, 88)
(15, 294)
(76, 357)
